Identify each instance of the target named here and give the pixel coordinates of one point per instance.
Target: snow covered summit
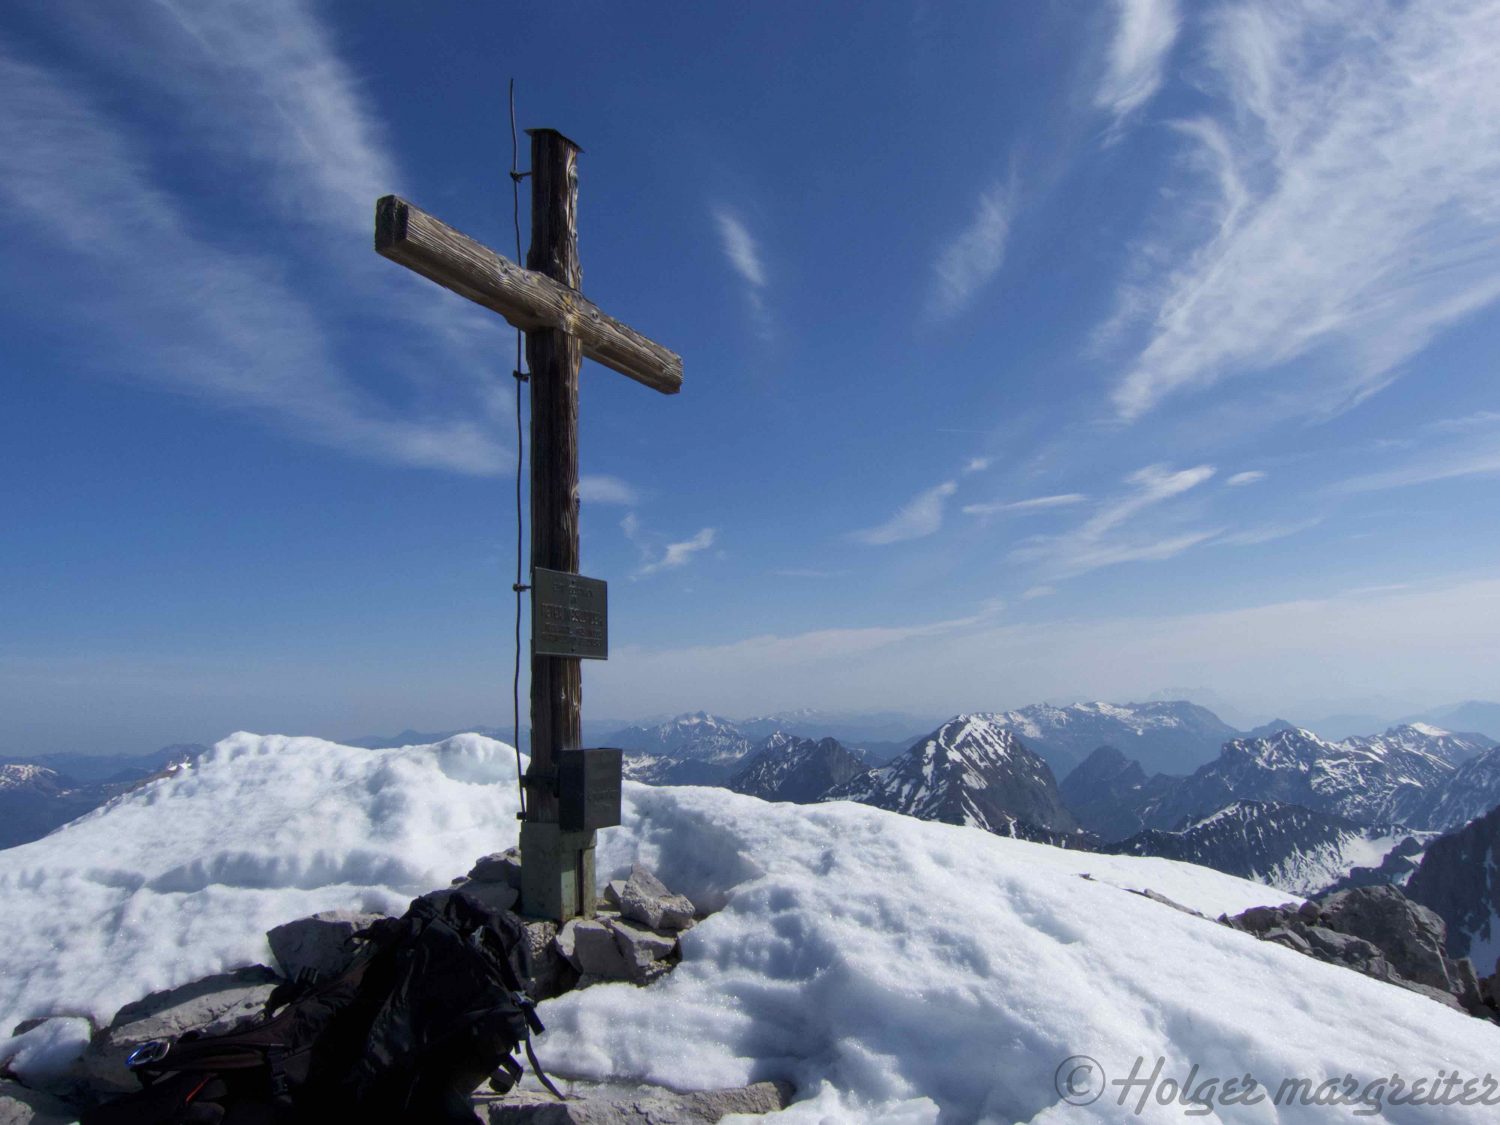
(892, 969)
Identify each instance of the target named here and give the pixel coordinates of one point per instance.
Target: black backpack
(431, 1007)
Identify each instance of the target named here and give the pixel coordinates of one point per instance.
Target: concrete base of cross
(557, 872)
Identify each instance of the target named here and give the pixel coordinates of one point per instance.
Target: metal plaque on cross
(569, 615)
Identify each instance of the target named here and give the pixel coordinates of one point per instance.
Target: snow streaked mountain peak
(17, 774)
(972, 770)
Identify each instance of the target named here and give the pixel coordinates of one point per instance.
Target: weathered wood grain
(554, 357)
(530, 299)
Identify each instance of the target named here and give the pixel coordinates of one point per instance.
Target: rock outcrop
(1381, 933)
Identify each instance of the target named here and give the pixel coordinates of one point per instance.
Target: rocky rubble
(21, 1105)
(634, 1105)
(1381, 933)
(633, 938)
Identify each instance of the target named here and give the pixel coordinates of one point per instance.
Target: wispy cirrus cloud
(1033, 504)
(656, 557)
(968, 261)
(1467, 459)
(218, 323)
(680, 554)
(1348, 175)
(918, 518)
(1479, 420)
(1269, 533)
(250, 317)
(1250, 476)
(1145, 32)
(743, 254)
(1100, 540)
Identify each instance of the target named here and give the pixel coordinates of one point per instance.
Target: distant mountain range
(1278, 803)
(1418, 775)
(1474, 715)
(1165, 737)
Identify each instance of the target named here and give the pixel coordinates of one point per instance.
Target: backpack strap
(488, 936)
(541, 1075)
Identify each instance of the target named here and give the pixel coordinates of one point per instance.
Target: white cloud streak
(601, 489)
(972, 258)
(1034, 504)
(920, 517)
(1468, 460)
(220, 324)
(744, 257)
(680, 554)
(1095, 543)
(1351, 179)
(739, 248)
(1255, 536)
(1145, 31)
(1479, 420)
(1251, 476)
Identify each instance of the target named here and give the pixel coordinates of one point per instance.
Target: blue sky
(1032, 351)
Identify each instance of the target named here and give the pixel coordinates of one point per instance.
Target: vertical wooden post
(557, 867)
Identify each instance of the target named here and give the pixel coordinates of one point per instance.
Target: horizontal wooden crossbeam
(405, 233)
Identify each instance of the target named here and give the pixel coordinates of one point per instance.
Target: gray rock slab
(590, 947)
(501, 867)
(1411, 937)
(213, 1005)
(645, 899)
(547, 972)
(610, 896)
(320, 943)
(1346, 949)
(641, 947)
(21, 1105)
(1289, 938)
(644, 1105)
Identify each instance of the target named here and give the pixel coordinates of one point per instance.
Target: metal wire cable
(517, 586)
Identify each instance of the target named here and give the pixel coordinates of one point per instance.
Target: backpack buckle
(152, 1051)
(280, 1084)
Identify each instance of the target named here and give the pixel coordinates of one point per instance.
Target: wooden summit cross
(563, 783)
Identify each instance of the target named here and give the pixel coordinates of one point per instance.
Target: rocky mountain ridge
(1286, 846)
(787, 768)
(972, 770)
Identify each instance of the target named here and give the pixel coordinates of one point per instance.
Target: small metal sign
(569, 615)
(588, 789)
